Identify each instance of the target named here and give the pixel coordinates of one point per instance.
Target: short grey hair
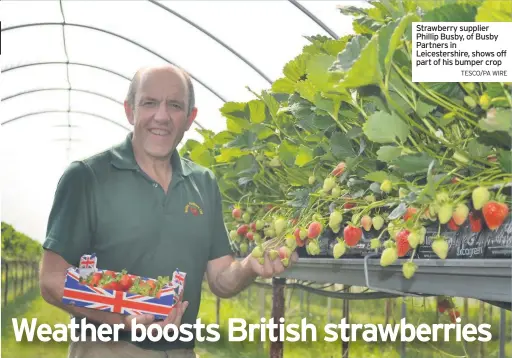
(134, 84)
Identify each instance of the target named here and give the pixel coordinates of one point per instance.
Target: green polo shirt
(107, 205)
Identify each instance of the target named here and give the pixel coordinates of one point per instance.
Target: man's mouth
(160, 132)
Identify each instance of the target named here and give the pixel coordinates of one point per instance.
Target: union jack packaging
(120, 292)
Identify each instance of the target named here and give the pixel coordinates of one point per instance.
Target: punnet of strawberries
(122, 281)
(345, 155)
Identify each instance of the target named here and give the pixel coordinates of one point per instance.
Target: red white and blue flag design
(88, 261)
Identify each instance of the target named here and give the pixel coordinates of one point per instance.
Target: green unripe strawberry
(470, 101)
(335, 218)
(291, 242)
(329, 183)
(275, 162)
(339, 250)
(413, 239)
(257, 238)
(271, 233)
(375, 244)
(317, 217)
(480, 197)
(484, 101)
(386, 186)
(378, 222)
(460, 214)
(440, 247)
(259, 224)
(313, 247)
(257, 252)
(388, 257)
(261, 260)
(442, 197)
(311, 180)
(421, 235)
(246, 217)
(445, 213)
(370, 198)
(303, 234)
(273, 254)
(336, 228)
(279, 226)
(408, 269)
(470, 86)
(336, 191)
(233, 235)
(243, 248)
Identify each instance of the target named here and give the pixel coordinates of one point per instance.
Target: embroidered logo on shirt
(194, 209)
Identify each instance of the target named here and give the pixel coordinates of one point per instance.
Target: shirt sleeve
(71, 222)
(220, 244)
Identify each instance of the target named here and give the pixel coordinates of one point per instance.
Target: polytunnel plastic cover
(66, 67)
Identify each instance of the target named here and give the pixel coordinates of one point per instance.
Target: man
(128, 205)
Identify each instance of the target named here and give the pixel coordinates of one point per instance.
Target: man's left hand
(270, 268)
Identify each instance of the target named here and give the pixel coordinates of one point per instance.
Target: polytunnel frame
(175, 13)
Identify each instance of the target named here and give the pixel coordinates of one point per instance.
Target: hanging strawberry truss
(346, 155)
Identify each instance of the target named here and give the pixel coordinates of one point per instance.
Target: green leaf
(223, 137)
(382, 127)
(244, 140)
(307, 89)
(413, 163)
(399, 211)
(385, 34)
(494, 89)
(422, 108)
(377, 177)
(262, 131)
(478, 150)
(237, 125)
(505, 160)
(283, 85)
(341, 146)
(201, 156)
(257, 111)
(287, 152)
(366, 69)
(272, 104)
(495, 11)
(227, 154)
(246, 165)
(396, 38)
(296, 68)
(388, 153)
(451, 90)
(318, 71)
(451, 13)
(496, 120)
(350, 53)
(234, 110)
(354, 132)
(304, 157)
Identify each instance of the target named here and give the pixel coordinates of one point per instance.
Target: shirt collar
(124, 158)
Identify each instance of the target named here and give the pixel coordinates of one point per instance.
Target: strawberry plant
(345, 144)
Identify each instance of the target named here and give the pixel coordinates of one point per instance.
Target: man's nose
(162, 114)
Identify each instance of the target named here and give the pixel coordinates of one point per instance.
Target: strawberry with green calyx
(311, 180)
(94, 279)
(370, 198)
(460, 214)
(243, 248)
(409, 214)
(480, 196)
(388, 257)
(336, 191)
(386, 186)
(339, 249)
(329, 184)
(284, 255)
(495, 213)
(259, 225)
(236, 213)
(257, 252)
(279, 226)
(233, 235)
(257, 238)
(445, 212)
(378, 222)
(352, 234)
(317, 217)
(314, 229)
(408, 269)
(335, 219)
(291, 242)
(402, 243)
(313, 248)
(125, 281)
(250, 236)
(413, 239)
(273, 254)
(440, 246)
(366, 222)
(475, 221)
(246, 217)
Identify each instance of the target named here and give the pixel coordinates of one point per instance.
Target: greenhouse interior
(392, 194)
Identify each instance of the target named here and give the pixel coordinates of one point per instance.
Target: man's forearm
(234, 279)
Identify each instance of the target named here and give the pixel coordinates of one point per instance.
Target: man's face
(160, 113)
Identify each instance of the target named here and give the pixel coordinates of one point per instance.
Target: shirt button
(155, 185)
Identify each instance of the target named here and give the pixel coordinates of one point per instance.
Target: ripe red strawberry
(242, 230)
(410, 213)
(402, 244)
(495, 214)
(340, 168)
(460, 214)
(352, 235)
(95, 279)
(250, 236)
(314, 229)
(299, 242)
(194, 211)
(125, 281)
(348, 205)
(253, 226)
(237, 213)
(296, 233)
(475, 222)
(452, 225)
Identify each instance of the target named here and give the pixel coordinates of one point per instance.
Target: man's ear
(129, 112)
(191, 118)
